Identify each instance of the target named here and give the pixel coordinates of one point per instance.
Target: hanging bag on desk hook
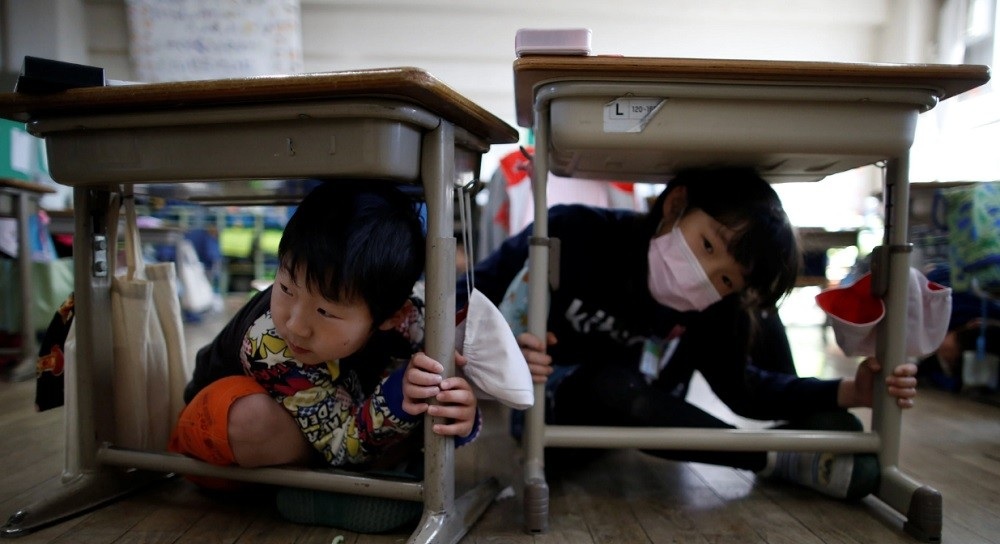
(855, 313)
(148, 344)
(495, 366)
(197, 295)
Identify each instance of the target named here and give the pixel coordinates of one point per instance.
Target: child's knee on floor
(263, 433)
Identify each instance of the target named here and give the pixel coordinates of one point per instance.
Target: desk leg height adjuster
(100, 248)
(553, 246)
(880, 266)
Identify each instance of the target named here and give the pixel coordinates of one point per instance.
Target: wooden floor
(949, 442)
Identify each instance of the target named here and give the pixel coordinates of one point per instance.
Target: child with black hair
(309, 371)
(644, 300)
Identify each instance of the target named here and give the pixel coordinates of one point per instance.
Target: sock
(843, 476)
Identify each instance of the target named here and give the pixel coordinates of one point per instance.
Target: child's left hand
(455, 400)
(901, 384)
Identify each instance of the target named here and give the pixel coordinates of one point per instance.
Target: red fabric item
(854, 303)
(855, 312)
(516, 167)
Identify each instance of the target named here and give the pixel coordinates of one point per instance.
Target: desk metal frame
(397, 125)
(21, 195)
(739, 86)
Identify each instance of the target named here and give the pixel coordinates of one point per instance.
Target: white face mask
(676, 278)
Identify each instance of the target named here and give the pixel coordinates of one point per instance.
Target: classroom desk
(213, 137)
(629, 118)
(21, 198)
(923, 199)
(816, 242)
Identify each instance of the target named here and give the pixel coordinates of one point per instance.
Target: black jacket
(602, 313)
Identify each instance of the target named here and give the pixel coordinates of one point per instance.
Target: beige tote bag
(149, 349)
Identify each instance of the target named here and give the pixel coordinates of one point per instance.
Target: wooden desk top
(943, 81)
(26, 186)
(411, 85)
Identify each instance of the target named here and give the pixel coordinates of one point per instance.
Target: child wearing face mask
(644, 300)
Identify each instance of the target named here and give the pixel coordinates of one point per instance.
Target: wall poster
(181, 40)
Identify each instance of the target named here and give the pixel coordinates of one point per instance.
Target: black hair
(764, 241)
(357, 239)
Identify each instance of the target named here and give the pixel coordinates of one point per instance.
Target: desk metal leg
(536, 490)
(25, 367)
(444, 520)
(29, 347)
(920, 504)
(449, 526)
(88, 483)
(64, 499)
(85, 484)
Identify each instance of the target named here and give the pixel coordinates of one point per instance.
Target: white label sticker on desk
(630, 114)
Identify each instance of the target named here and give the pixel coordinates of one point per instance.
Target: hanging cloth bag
(197, 295)
(149, 349)
(495, 367)
(855, 312)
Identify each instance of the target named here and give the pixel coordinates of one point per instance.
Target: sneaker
(355, 513)
(843, 476)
